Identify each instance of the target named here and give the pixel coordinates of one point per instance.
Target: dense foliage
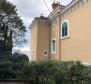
(11, 66)
(56, 73)
(10, 25)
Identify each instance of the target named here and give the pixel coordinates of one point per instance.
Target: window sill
(65, 37)
(53, 53)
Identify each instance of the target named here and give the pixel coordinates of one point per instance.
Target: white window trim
(67, 28)
(53, 52)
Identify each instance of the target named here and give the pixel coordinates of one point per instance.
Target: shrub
(6, 70)
(53, 72)
(12, 65)
(73, 73)
(19, 60)
(40, 72)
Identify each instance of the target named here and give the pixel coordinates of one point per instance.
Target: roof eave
(64, 10)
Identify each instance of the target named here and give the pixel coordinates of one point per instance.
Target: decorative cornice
(67, 8)
(55, 14)
(72, 7)
(38, 20)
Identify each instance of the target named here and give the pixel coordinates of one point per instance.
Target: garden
(16, 66)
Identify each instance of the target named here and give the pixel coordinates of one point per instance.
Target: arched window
(64, 29)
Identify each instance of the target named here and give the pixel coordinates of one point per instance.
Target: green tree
(10, 25)
(6, 70)
(9, 22)
(19, 61)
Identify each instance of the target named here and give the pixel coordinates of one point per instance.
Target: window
(45, 52)
(53, 47)
(65, 30)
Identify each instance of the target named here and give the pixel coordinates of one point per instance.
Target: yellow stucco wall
(33, 38)
(78, 46)
(40, 40)
(33, 44)
(55, 31)
(43, 40)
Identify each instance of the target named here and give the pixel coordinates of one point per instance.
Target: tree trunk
(5, 33)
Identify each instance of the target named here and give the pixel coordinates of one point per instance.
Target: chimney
(55, 5)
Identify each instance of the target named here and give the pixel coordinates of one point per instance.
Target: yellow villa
(65, 35)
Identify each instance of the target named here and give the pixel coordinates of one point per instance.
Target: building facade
(65, 35)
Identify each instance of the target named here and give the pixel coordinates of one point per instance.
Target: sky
(29, 9)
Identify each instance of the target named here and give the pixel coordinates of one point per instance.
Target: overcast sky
(29, 9)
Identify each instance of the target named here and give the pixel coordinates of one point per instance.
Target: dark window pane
(64, 29)
(62, 32)
(53, 42)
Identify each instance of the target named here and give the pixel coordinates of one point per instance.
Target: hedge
(52, 72)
